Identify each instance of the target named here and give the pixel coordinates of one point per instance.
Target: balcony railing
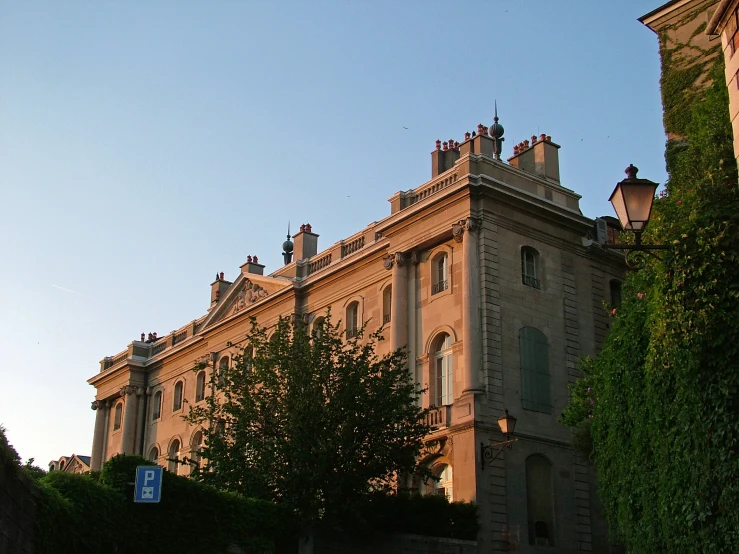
(386, 318)
(440, 286)
(438, 418)
(530, 281)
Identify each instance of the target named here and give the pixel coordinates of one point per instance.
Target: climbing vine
(660, 404)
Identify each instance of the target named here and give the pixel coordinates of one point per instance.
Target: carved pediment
(248, 294)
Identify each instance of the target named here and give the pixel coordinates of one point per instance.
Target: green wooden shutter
(535, 387)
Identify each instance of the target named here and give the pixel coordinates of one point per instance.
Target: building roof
(674, 8)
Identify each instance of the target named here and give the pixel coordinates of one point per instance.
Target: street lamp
(632, 199)
(491, 452)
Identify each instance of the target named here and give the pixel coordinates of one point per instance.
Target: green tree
(665, 425)
(311, 421)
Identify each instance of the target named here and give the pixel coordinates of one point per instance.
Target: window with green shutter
(535, 387)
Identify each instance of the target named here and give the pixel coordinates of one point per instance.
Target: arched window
(154, 454)
(443, 487)
(387, 301)
(118, 416)
(615, 287)
(61, 465)
(540, 501)
(535, 389)
(177, 400)
(352, 320)
(200, 386)
(318, 326)
(196, 445)
(156, 407)
(223, 370)
(530, 267)
(439, 273)
(174, 456)
(443, 370)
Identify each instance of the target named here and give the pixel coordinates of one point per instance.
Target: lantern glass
(632, 199)
(507, 423)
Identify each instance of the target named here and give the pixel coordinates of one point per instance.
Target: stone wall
(387, 544)
(18, 498)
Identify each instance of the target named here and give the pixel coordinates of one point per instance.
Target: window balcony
(440, 286)
(439, 417)
(530, 281)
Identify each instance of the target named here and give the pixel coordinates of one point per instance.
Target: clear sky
(146, 145)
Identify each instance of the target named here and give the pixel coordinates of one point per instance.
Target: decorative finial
(496, 132)
(631, 172)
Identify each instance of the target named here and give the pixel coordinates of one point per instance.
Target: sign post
(148, 487)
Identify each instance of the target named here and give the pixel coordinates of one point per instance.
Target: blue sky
(144, 146)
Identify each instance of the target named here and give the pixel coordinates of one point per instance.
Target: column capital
(97, 404)
(469, 224)
(140, 391)
(127, 390)
(396, 258)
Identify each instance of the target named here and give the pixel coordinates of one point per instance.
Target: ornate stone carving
(127, 389)
(249, 293)
(388, 261)
(415, 258)
(458, 230)
(400, 259)
(470, 224)
(140, 391)
(96, 404)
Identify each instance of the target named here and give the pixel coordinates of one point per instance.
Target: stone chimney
(444, 157)
(305, 243)
(218, 288)
(540, 157)
(252, 266)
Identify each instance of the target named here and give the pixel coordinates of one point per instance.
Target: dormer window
(440, 274)
(530, 267)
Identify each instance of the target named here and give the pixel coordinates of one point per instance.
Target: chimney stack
(305, 243)
(540, 157)
(252, 266)
(444, 157)
(218, 288)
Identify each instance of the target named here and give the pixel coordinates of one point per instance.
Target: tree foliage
(665, 411)
(311, 421)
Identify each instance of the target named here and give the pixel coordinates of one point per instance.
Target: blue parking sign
(148, 486)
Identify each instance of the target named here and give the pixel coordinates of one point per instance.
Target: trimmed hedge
(79, 514)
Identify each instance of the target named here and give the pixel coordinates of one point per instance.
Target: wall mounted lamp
(632, 199)
(491, 452)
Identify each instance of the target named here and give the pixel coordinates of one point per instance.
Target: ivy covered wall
(658, 409)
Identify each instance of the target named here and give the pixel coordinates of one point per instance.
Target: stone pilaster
(138, 446)
(128, 393)
(108, 405)
(466, 232)
(98, 439)
(399, 300)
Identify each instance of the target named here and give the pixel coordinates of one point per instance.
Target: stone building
(487, 273)
(724, 22)
(71, 464)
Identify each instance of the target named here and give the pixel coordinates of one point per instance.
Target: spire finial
(496, 132)
(288, 228)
